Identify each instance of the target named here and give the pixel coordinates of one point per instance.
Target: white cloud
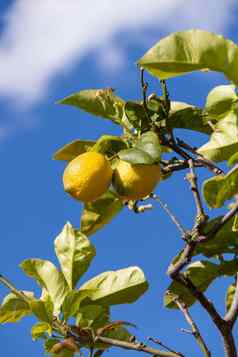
(42, 38)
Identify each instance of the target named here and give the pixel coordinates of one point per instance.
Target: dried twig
(206, 162)
(13, 289)
(171, 215)
(160, 343)
(195, 330)
(140, 347)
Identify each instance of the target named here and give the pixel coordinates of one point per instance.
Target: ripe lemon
(133, 182)
(87, 176)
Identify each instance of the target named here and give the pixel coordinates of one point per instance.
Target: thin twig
(195, 330)
(160, 343)
(223, 327)
(140, 347)
(13, 289)
(232, 313)
(171, 215)
(177, 166)
(206, 162)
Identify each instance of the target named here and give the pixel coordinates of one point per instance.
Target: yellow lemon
(133, 182)
(87, 176)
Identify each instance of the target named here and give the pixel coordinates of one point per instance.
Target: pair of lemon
(89, 175)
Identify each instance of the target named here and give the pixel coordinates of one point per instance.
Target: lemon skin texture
(87, 176)
(133, 182)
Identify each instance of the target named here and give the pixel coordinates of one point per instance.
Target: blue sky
(49, 49)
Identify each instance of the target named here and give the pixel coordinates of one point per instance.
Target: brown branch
(223, 327)
(192, 179)
(136, 347)
(232, 314)
(195, 330)
(206, 162)
(177, 166)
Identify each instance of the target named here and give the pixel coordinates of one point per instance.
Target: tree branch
(136, 347)
(13, 289)
(192, 179)
(195, 330)
(206, 162)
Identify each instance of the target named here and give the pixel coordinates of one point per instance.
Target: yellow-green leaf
(47, 275)
(192, 50)
(100, 212)
(40, 329)
(14, 308)
(224, 140)
(75, 253)
(99, 102)
(117, 287)
(219, 189)
(71, 150)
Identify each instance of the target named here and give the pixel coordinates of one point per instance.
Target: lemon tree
(124, 172)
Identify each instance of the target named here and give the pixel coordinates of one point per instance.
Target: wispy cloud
(42, 38)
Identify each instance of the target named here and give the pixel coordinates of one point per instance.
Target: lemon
(87, 176)
(133, 182)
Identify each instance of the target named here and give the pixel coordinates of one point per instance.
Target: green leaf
(109, 145)
(69, 151)
(229, 296)
(93, 316)
(137, 115)
(150, 144)
(224, 140)
(75, 253)
(99, 102)
(186, 116)
(136, 156)
(117, 287)
(219, 189)
(187, 51)
(233, 159)
(100, 212)
(13, 308)
(220, 100)
(225, 241)
(43, 310)
(39, 330)
(47, 275)
(202, 274)
(72, 301)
